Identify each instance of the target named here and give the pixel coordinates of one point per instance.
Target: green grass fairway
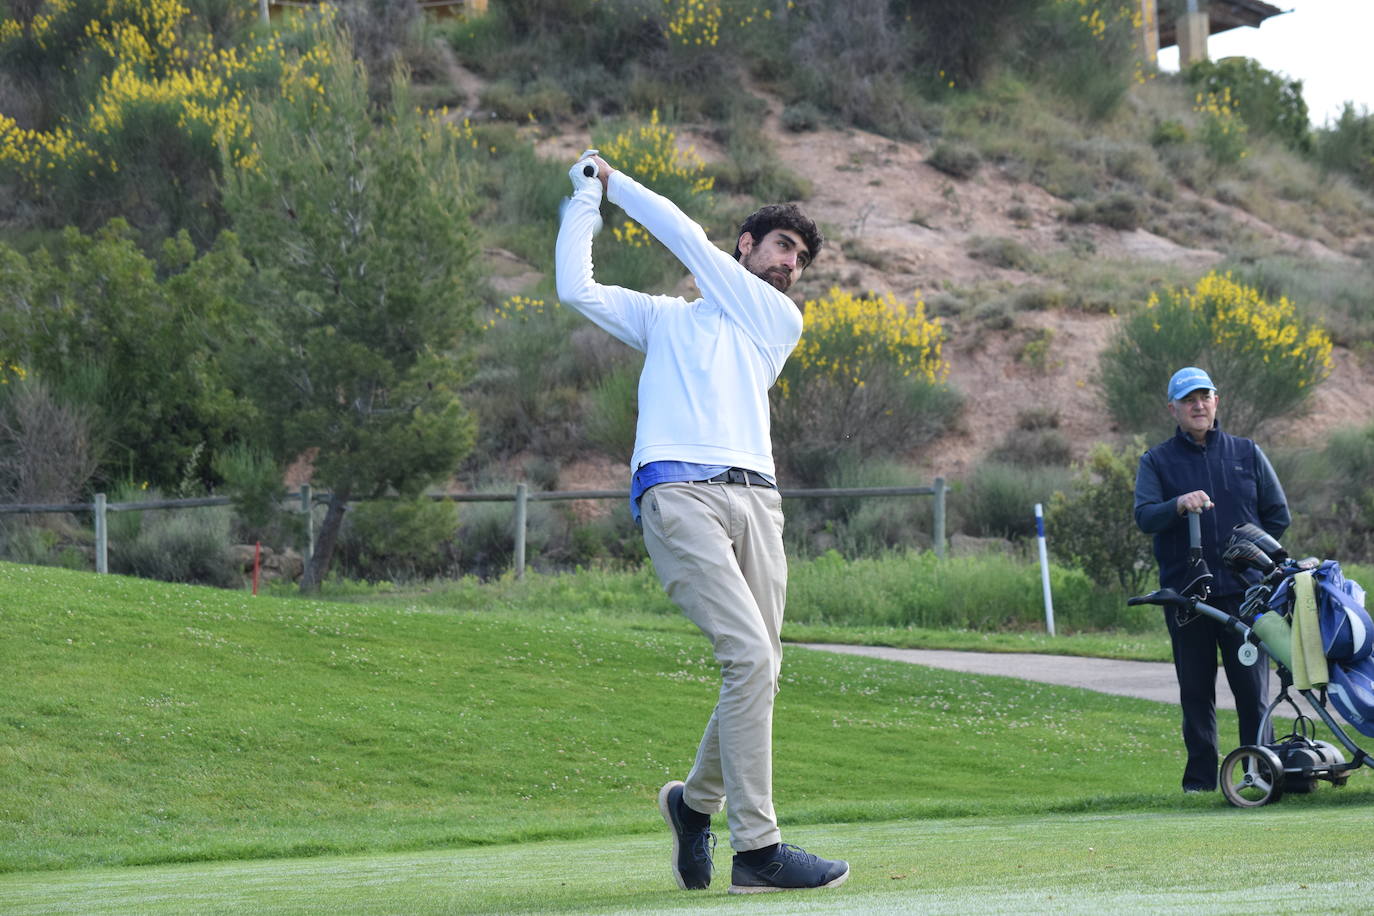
(169, 749)
(1272, 860)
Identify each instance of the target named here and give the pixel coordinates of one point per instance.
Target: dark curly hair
(782, 216)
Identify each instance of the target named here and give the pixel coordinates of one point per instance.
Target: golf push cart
(1309, 619)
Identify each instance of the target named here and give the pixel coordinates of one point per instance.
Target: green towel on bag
(1309, 662)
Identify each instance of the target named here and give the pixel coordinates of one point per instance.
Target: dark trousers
(1195, 662)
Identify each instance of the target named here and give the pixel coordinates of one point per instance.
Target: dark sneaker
(791, 868)
(692, 847)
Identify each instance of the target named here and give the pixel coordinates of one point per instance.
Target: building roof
(1222, 16)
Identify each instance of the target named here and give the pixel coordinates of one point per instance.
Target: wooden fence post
(938, 536)
(521, 500)
(102, 536)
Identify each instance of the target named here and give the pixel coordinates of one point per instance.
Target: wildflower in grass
(520, 309)
(1265, 355)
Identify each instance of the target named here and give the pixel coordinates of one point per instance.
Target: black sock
(757, 856)
(692, 817)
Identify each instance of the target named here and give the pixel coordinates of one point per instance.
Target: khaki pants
(718, 551)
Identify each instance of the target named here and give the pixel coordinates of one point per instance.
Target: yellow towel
(1309, 662)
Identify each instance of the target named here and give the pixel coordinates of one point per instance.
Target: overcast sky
(1324, 43)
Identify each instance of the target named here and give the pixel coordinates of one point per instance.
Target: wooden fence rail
(521, 496)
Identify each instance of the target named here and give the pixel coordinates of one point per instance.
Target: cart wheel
(1251, 776)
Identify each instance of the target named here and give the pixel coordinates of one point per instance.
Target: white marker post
(1044, 568)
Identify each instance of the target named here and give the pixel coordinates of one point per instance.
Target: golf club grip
(589, 170)
(1195, 530)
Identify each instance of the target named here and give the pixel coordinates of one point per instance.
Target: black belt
(742, 476)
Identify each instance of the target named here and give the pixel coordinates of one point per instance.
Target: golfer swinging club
(704, 493)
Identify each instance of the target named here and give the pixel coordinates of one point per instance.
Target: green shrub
(850, 60)
(1002, 252)
(542, 101)
(1036, 447)
(1169, 133)
(177, 545)
(800, 117)
(1348, 145)
(1265, 358)
(955, 159)
(1120, 210)
(998, 499)
(753, 169)
(1084, 51)
(524, 389)
(1270, 104)
(255, 483)
(1330, 495)
(398, 540)
(1091, 524)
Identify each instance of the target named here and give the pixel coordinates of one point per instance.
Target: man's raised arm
(614, 309)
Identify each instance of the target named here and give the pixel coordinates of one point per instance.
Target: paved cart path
(1146, 680)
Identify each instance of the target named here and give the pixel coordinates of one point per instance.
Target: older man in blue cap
(1227, 480)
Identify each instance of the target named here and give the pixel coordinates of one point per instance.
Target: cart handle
(1164, 597)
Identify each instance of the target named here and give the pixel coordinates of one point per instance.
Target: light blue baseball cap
(1188, 380)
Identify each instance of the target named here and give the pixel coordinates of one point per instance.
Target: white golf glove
(583, 172)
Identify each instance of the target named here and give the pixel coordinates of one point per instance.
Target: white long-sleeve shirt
(708, 365)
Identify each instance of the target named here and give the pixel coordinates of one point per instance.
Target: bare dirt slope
(895, 223)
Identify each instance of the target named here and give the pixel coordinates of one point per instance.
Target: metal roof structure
(1222, 16)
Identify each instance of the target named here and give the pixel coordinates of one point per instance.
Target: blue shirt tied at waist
(657, 472)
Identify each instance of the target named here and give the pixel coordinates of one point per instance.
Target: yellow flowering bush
(164, 98)
(868, 379)
(1222, 129)
(652, 154)
(1264, 356)
(692, 22)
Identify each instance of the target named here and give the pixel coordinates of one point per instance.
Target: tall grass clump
(909, 589)
(1266, 358)
(998, 499)
(867, 380)
(178, 545)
